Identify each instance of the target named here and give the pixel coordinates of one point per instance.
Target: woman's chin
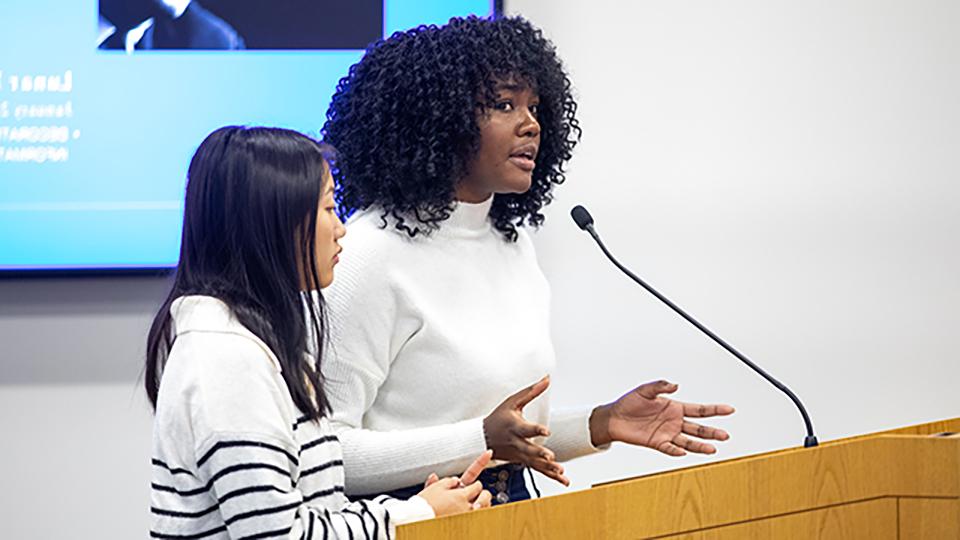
(326, 279)
(516, 185)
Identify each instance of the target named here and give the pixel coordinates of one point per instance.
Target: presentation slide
(103, 103)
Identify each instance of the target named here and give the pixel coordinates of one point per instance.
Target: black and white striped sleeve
(265, 484)
(254, 482)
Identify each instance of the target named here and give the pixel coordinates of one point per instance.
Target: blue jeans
(505, 483)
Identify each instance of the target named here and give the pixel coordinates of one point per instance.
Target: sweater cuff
(570, 434)
(376, 462)
(415, 508)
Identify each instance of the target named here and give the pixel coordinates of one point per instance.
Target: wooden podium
(898, 484)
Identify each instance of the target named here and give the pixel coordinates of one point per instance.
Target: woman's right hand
(448, 496)
(447, 501)
(509, 434)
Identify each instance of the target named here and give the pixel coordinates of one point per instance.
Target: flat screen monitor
(102, 103)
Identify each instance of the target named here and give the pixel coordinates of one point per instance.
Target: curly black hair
(404, 120)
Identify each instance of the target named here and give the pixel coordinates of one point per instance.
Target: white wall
(788, 173)
(74, 423)
(784, 170)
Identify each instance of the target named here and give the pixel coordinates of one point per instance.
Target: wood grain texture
(869, 520)
(929, 518)
(724, 493)
(950, 425)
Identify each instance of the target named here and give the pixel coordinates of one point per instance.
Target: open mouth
(524, 158)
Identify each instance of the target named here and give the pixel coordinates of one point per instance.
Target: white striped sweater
(232, 455)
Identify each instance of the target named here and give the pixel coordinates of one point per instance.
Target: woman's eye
(505, 106)
(535, 110)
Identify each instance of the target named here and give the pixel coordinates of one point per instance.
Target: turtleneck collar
(468, 217)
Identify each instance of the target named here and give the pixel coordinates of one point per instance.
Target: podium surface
(898, 484)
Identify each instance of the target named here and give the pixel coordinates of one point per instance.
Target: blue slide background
(117, 202)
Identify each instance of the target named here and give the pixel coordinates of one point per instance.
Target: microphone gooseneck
(584, 220)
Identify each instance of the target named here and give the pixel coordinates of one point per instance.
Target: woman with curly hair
(450, 142)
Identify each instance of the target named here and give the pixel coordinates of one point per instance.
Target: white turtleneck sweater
(428, 335)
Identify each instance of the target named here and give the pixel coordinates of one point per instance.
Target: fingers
(432, 479)
(530, 451)
(697, 447)
(696, 410)
(470, 475)
(472, 491)
(483, 500)
(542, 459)
(551, 470)
(449, 482)
(528, 394)
(671, 449)
(529, 430)
(705, 432)
(653, 389)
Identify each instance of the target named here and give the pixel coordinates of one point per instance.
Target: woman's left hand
(644, 417)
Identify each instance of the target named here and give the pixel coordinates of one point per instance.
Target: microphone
(584, 220)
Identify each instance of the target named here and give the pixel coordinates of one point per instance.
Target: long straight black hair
(249, 225)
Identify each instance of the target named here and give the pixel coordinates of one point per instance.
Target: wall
(74, 422)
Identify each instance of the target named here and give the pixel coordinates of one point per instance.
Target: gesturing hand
(451, 497)
(508, 434)
(643, 417)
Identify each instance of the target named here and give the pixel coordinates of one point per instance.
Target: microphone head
(581, 217)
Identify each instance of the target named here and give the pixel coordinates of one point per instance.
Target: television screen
(103, 103)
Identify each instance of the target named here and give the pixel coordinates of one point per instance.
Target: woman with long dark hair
(242, 447)
(451, 141)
